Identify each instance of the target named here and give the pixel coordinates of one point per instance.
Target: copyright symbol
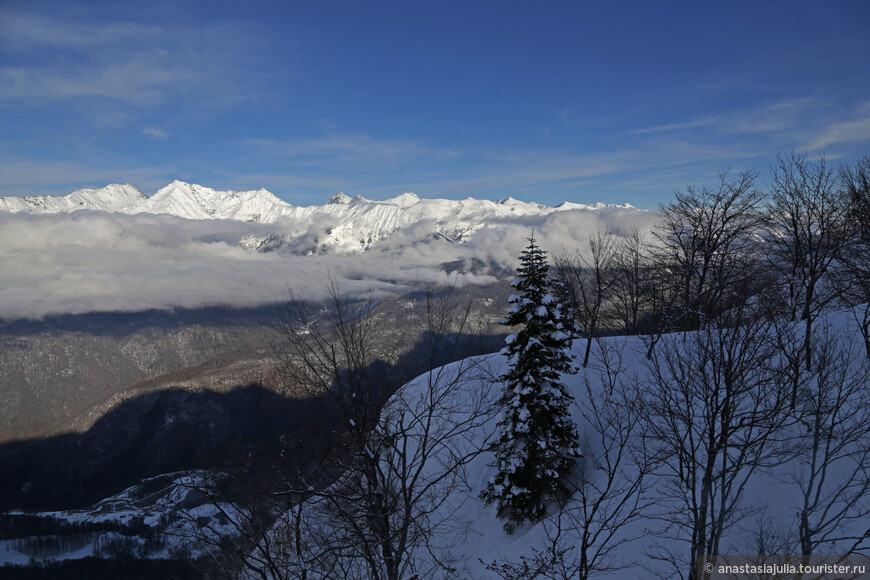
(708, 567)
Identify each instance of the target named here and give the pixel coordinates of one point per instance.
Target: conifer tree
(537, 446)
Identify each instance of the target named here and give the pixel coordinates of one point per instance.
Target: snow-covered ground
(159, 518)
(470, 536)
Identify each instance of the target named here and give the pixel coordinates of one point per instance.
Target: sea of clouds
(91, 261)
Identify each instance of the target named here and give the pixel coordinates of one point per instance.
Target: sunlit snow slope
(469, 534)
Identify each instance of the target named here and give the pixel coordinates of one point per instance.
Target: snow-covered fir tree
(538, 445)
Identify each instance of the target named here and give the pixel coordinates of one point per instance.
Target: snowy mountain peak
(567, 205)
(340, 198)
(193, 201)
(112, 197)
(404, 200)
(179, 188)
(164, 191)
(114, 190)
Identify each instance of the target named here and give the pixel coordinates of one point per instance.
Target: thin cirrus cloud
(777, 117)
(26, 32)
(358, 151)
(855, 129)
(49, 60)
(156, 132)
(531, 170)
(807, 123)
(647, 164)
(147, 78)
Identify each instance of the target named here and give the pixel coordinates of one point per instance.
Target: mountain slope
(113, 197)
(343, 224)
(193, 201)
(197, 202)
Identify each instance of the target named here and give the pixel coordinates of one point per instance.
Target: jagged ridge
(343, 223)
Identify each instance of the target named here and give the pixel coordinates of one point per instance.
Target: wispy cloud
(155, 132)
(807, 123)
(49, 59)
(855, 129)
(23, 31)
(658, 163)
(777, 117)
(357, 151)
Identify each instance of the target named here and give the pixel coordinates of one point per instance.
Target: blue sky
(542, 101)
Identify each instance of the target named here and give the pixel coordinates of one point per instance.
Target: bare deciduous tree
(810, 228)
(587, 284)
(855, 283)
(633, 282)
(768, 535)
(830, 447)
(705, 245)
(252, 524)
(397, 468)
(716, 409)
(611, 491)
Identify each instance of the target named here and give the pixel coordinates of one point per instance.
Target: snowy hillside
(459, 537)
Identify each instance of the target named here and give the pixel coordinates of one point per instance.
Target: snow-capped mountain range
(343, 223)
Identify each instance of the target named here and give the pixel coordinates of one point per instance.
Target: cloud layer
(84, 262)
